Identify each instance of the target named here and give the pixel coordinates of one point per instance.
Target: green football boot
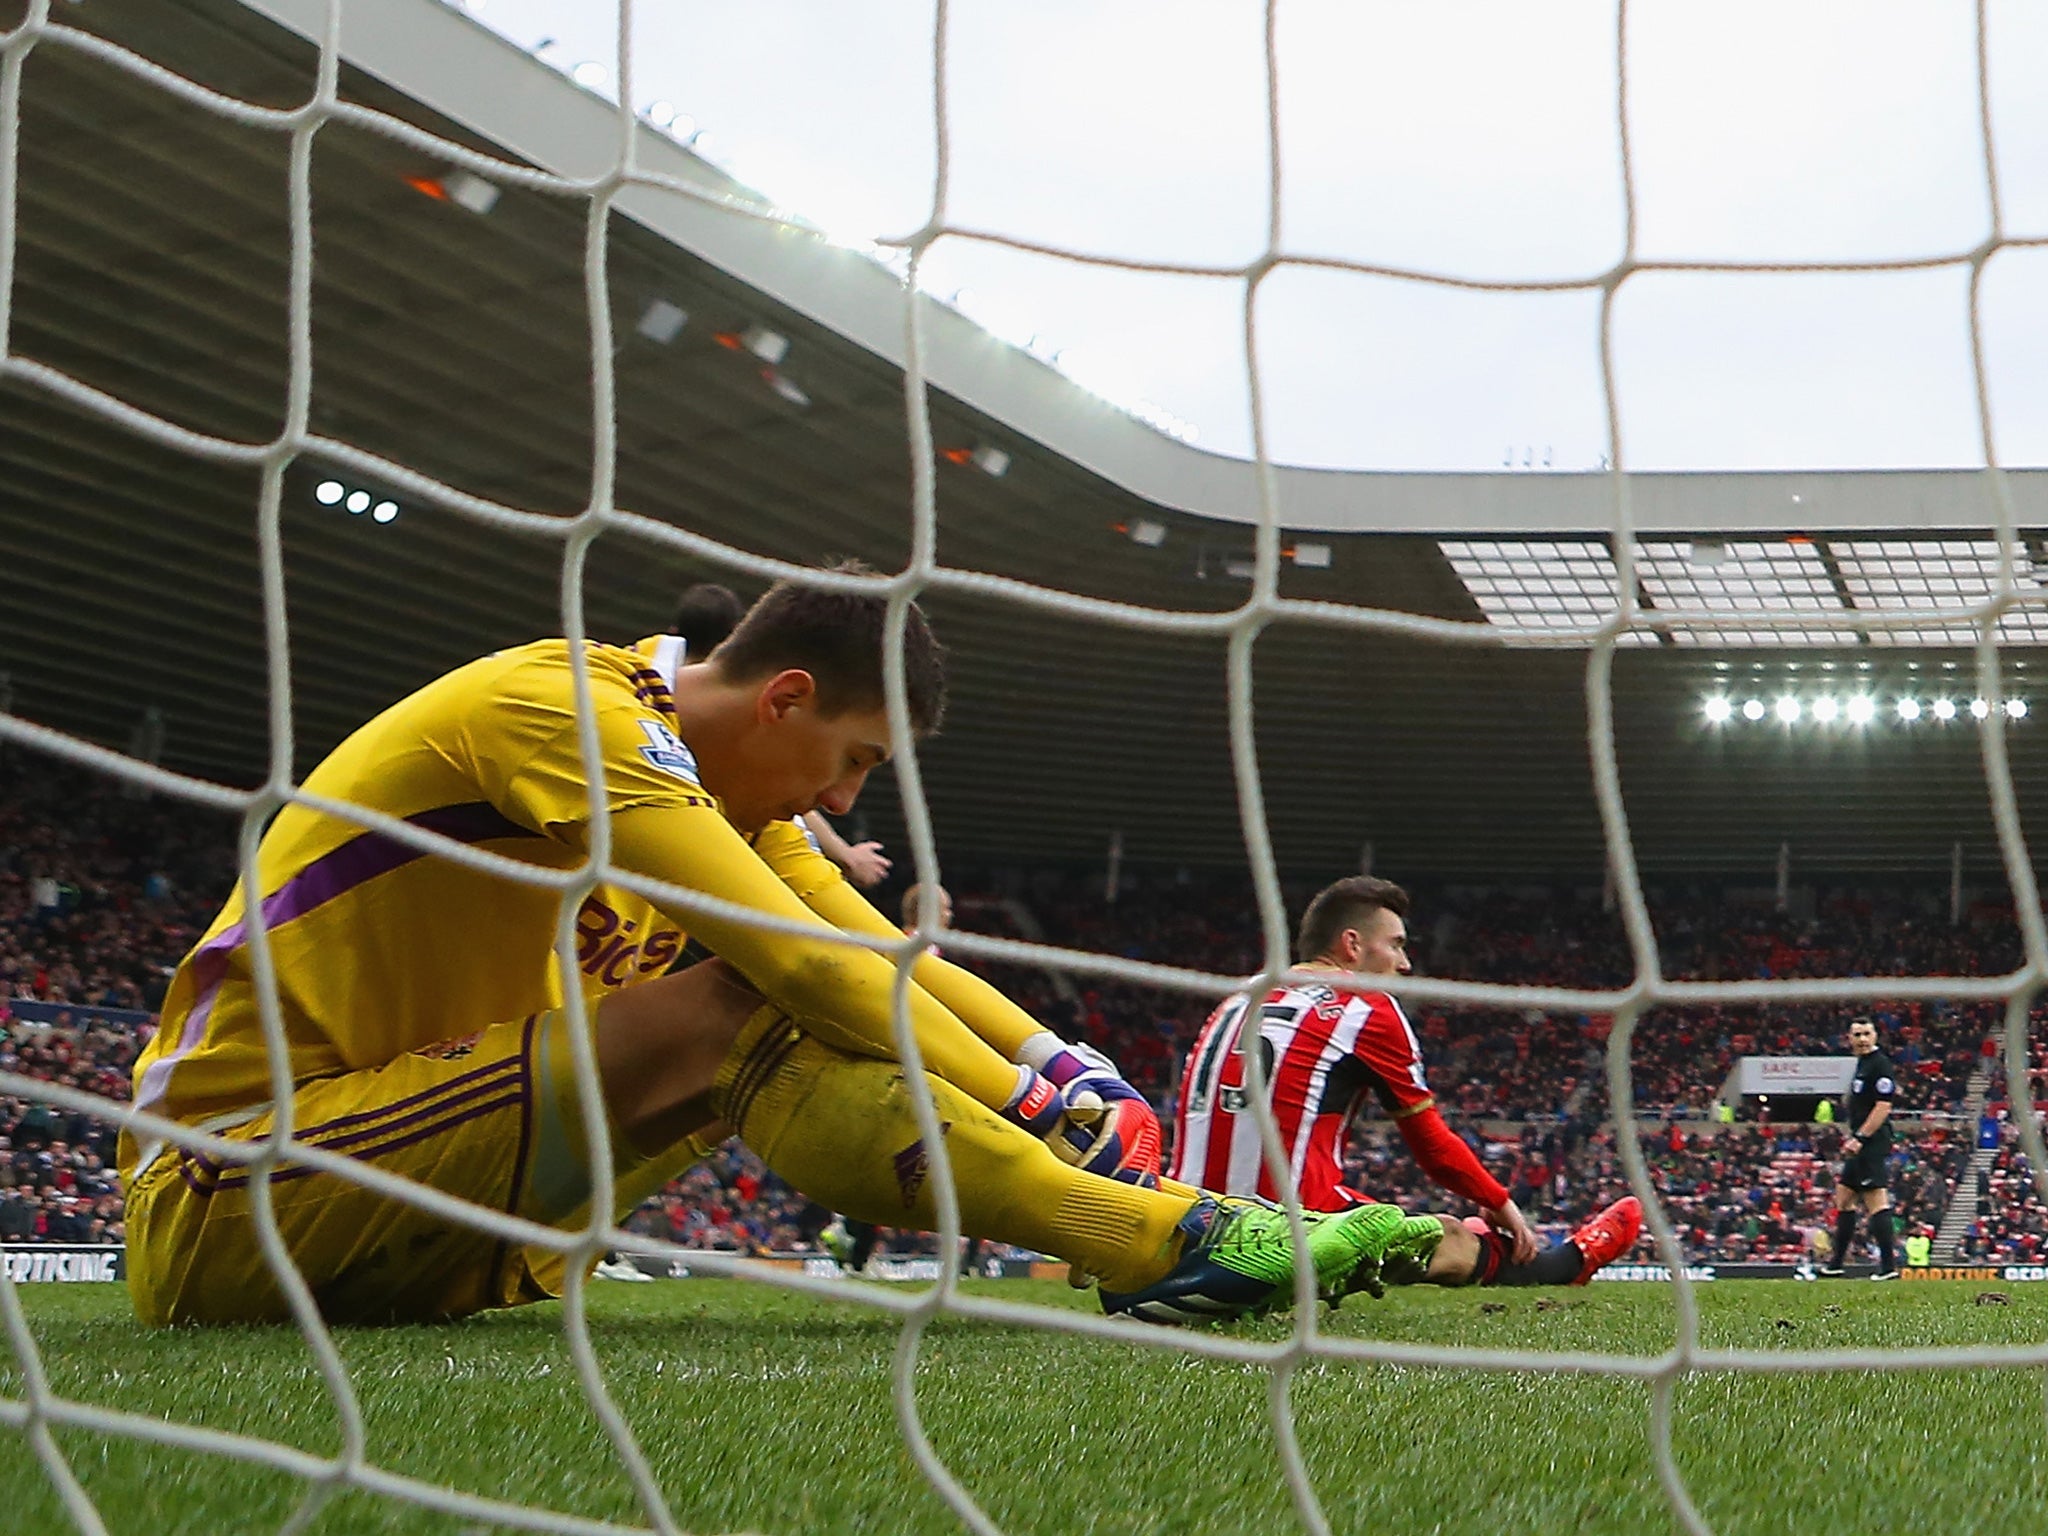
(1237, 1260)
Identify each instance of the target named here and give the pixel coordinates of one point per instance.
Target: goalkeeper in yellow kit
(421, 1006)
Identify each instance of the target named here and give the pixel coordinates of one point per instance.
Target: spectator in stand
(100, 894)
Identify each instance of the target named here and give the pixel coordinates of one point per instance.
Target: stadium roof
(152, 265)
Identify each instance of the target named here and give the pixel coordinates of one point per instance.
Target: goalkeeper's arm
(841, 992)
(1125, 1130)
(1129, 1141)
(817, 881)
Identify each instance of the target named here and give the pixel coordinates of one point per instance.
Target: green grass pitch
(764, 1411)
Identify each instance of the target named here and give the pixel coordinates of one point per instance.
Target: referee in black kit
(1865, 1154)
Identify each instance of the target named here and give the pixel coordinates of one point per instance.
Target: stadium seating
(101, 893)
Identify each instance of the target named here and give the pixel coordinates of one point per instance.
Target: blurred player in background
(1866, 1155)
(1325, 1048)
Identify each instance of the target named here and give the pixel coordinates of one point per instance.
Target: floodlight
(358, 501)
(1825, 710)
(1944, 709)
(472, 192)
(1786, 709)
(2016, 709)
(1718, 709)
(1980, 709)
(1147, 532)
(661, 113)
(1909, 709)
(786, 387)
(590, 74)
(1313, 557)
(1753, 709)
(990, 460)
(1861, 710)
(328, 492)
(386, 511)
(769, 346)
(662, 322)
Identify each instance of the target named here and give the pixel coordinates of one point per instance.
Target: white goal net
(38, 1410)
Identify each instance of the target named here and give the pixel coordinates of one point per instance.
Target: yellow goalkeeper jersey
(379, 948)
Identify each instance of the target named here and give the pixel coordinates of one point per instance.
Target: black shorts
(1866, 1170)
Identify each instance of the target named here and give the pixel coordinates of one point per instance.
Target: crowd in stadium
(57, 1180)
(2014, 1228)
(101, 893)
(730, 1203)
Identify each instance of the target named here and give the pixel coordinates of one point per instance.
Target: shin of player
(1471, 1253)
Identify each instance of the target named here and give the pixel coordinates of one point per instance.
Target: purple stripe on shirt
(335, 873)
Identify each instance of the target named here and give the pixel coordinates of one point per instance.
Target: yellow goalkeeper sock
(842, 1129)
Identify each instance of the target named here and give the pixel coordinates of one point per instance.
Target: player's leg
(493, 1119)
(659, 1047)
(1469, 1254)
(861, 1239)
(1845, 1229)
(1877, 1206)
(842, 1129)
(850, 1242)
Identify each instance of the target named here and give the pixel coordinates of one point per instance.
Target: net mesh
(37, 1410)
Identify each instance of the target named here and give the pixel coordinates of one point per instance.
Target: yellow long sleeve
(841, 993)
(821, 886)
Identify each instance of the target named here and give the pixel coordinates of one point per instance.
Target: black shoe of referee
(1886, 1274)
(1831, 1271)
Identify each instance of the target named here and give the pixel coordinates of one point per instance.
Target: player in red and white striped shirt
(1324, 1048)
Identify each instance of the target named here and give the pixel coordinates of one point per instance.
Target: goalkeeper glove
(1077, 1125)
(1111, 1128)
(1037, 1106)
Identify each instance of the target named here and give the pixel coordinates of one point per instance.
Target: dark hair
(910, 904)
(705, 615)
(836, 636)
(1341, 906)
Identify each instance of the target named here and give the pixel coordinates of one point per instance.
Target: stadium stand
(100, 894)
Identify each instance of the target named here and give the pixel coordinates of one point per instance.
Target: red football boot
(1608, 1236)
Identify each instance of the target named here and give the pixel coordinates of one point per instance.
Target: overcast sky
(1470, 139)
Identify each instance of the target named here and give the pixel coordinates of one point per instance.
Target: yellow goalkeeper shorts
(492, 1119)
